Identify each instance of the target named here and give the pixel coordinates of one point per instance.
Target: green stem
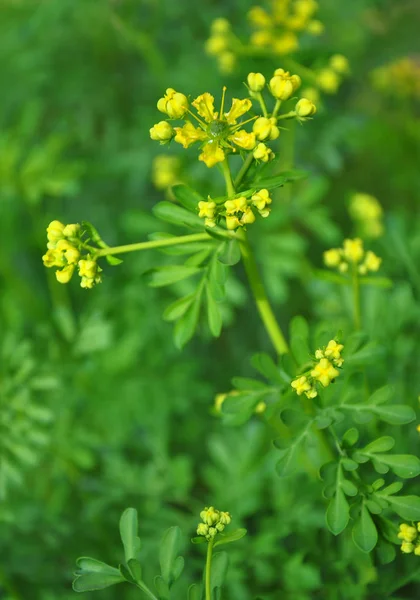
(244, 170)
(145, 589)
(276, 108)
(263, 305)
(228, 177)
(174, 241)
(208, 568)
(356, 298)
(261, 100)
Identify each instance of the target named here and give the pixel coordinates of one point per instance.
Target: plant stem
(174, 241)
(263, 305)
(261, 100)
(356, 298)
(276, 108)
(244, 170)
(208, 568)
(145, 589)
(228, 177)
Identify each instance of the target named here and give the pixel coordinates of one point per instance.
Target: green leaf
(381, 395)
(175, 310)
(187, 324)
(94, 575)
(213, 313)
(113, 260)
(395, 414)
(382, 444)
(128, 532)
(289, 462)
(407, 507)
(271, 183)
(232, 536)
(170, 565)
(177, 215)
(403, 465)
(337, 515)
(219, 569)
(265, 365)
(135, 569)
(162, 588)
(162, 276)
(229, 253)
(382, 282)
(186, 196)
(331, 277)
(364, 533)
(195, 592)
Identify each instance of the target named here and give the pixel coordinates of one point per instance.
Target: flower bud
(339, 64)
(263, 153)
(256, 82)
(282, 89)
(55, 231)
(220, 26)
(71, 231)
(174, 104)
(305, 108)
(65, 274)
(162, 132)
(266, 129)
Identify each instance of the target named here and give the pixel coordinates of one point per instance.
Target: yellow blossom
(328, 81)
(266, 128)
(65, 274)
(72, 230)
(306, 7)
(243, 139)
(324, 372)
(260, 408)
(332, 257)
(204, 105)
(315, 27)
(210, 516)
(305, 108)
(174, 104)
(207, 210)
(216, 44)
(256, 82)
(407, 547)
(417, 550)
(89, 273)
(263, 153)
(202, 529)
(282, 89)
(339, 64)
(220, 25)
(259, 17)
(365, 206)
(227, 62)
(188, 134)
(248, 217)
(55, 231)
(301, 385)
(261, 200)
(371, 263)
(295, 80)
(407, 533)
(286, 43)
(312, 393)
(261, 38)
(162, 132)
(165, 170)
(353, 250)
(212, 154)
(232, 222)
(333, 352)
(238, 108)
(236, 205)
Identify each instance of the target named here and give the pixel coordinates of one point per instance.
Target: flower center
(217, 128)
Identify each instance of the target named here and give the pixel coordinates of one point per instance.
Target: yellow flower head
(188, 134)
(324, 372)
(202, 529)
(305, 108)
(328, 81)
(365, 207)
(256, 82)
(261, 200)
(220, 26)
(259, 17)
(165, 170)
(232, 222)
(353, 250)
(315, 27)
(216, 44)
(339, 64)
(263, 153)
(204, 105)
(235, 206)
(248, 217)
(333, 352)
(261, 38)
(227, 61)
(282, 89)
(65, 274)
(286, 43)
(301, 385)
(72, 230)
(407, 533)
(89, 272)
(243, 139)
(162, 132)
(55, 231)
(238, 108)
(407, 547)
(174, 104)
(266, 129)
(371, 262)
(332, 257)
(212, 154)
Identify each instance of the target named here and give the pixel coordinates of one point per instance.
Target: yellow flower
(365, 207)
(207, 210)
(243, 139)
(220, 25)
(296, 22)
(202, 529)
(353, 250)
(162, 132)
(332, 258)
(261, 38)
(339, 64)
(204, 105)
(65, 274)
(52, 258)
(315, 27)
(225, 518)
(324, 372)
(301, 385)
(174, 104)
(71, 231)
(89, 273)
(312, 393)
(261, 200)
(294, 79)
(263, 153)
(210, 516)
(55, 231)
(266, 129)
(333, 352)
(407, 533)
(417, 550)
(407, 548)
(232, 222)
(328, 81)
(227, 61)
(306, 7)
(260, 408)
(282, 89)
(72, 255)
(248, 217)
(286, 43)
(256, 82)
(236, 205)
(165, 171)
(188, 134)
(305, 108)
(259, 17)
(372, 262)
(212, 154)
(238, 108)
(216, 44)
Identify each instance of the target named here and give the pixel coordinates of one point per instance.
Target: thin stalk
(183, 239)
(228, 177)
(276, 108)
(261, 100)
(145, 589)
(356, 298)
(208, 568)
(244, 170)
(263, 305)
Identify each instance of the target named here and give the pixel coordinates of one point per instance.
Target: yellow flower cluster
(367, 212)
(352, 254)
(213, 522)
(165, 171)
(221, 44)
(410, 539)
(330, 78)
(400, 78)
(324, 371)
(236, 212)
(64, 245)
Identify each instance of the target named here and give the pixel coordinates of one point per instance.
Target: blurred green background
(98, 409)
